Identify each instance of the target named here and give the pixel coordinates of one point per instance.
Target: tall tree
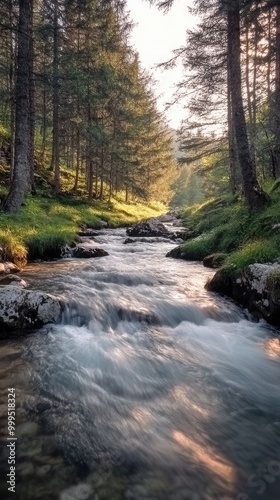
(254, 196)
(276, 100)
(21, 171)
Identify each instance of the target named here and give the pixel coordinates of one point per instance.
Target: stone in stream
(12, 279)
(176, 253)
(214, 260)
(150, 227)
(257, 287)
(8, 268)
(88, 253)
(166, 218)
(27, 309)
(128, 240)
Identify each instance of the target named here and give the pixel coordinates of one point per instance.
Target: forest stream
(150, 388)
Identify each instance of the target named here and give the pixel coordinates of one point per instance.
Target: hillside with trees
(139, 265)
(74, 97)
(231, 94)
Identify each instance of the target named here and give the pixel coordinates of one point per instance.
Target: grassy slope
(46, 223)
(225, 225)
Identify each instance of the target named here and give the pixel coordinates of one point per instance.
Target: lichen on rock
(257, 287)
(21, 308)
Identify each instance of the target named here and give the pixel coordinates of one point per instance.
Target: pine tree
(21, 173)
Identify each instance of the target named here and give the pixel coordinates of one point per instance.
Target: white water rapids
(151, 388)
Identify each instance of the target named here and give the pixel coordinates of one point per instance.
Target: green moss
(273, 280)
(215, 260)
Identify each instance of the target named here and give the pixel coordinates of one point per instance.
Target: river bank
(244, 246)
(45, 225)
(27, 309)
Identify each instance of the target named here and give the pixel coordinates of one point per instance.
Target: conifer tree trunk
(233, 164)
(12, 85)
(269, 61)
(254, 99)
(55, 139)
(21, 172)
(231, 149)
(44, 119)
(276, 121)
(251, 92)
(78, 155)
(31, 101)
(254, 196)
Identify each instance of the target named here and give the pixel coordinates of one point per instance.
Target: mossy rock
(176, 253)
(257, 288)
(221, 282)
(214, 260)
(273, 280)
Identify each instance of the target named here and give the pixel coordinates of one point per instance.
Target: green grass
(12, 248)
(225, 225)
(254, 251)
(44, 225)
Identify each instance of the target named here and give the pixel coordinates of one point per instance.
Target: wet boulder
(26, 308)
(8, 268)
(148, 228)
(214, 260)
(166, 218)
(12, 279)
(88, 253)
(177, 253)
(257, 287)
(48, 252)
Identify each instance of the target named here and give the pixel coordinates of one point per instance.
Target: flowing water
(150, 388)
